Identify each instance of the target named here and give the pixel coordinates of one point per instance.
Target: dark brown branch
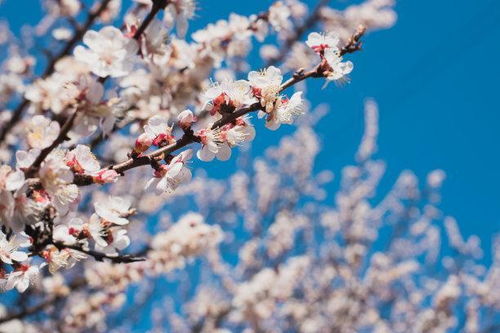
(157, 6)
(354, 44)
(100, 256)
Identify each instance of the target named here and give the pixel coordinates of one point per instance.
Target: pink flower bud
(186, 118)
(142, 143)
(106, 176)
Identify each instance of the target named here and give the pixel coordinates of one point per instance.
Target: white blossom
(113, 209)
(110, 53)
(41, 132)
(22, 277)
(266, 86)
(9, 248)
(339, 69)
(171, 175)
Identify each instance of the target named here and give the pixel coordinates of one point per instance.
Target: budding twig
(188, 137)
(100, 256)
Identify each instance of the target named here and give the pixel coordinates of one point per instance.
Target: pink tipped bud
(186, 118)
(142, 143)
(106, 176)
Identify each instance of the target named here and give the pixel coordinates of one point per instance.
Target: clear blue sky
(434, 76)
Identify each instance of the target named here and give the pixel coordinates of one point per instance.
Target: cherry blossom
(41, 132)
(9, 249)
(338, 69)
(82, 160)
(116, 239)
(212, 146)
(158, 131)
(266, 86)
(286, 111)
(97, 229)
(56, 178)
(228, 95)
(238, 133)
(59, 259)
(262, 248)
(186, 118)
(169, 176)
(114, 210)
(22, 277)
(110, 52)
(320, 42)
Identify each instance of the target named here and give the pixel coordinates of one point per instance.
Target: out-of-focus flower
(41, 132)
(110, 53)
(178, 12)
(279, 16)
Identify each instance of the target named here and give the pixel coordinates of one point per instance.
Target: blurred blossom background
(434, 77)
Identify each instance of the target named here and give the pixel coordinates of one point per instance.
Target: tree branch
(189, 137)
(100, 256)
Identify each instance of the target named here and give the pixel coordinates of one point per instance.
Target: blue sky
(434, 77)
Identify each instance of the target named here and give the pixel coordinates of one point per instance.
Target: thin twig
(100, 256)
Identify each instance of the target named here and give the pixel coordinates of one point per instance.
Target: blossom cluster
(98, 169)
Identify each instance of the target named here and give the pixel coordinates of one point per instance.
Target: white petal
(205, 155)
(19, 256)
(224, 152)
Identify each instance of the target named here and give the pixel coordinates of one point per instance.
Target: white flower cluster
(96, 161)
